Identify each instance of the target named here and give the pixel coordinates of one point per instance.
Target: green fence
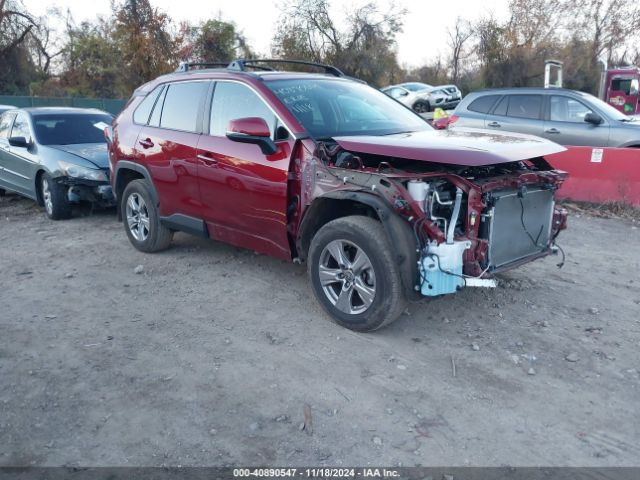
(107, 104)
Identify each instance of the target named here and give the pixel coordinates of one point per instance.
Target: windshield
(70, 128)
(332, 108)
(416, 87)
(607, 109)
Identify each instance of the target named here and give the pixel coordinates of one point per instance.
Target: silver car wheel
(46, 196)
(347, 277)
(138, 217)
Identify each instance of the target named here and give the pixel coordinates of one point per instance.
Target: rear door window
(525, 106)
(501, 109)
(182, 106)
(483, 104)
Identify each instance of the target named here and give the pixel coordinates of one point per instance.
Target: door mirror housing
(19, 142)
(593, 118)
(252, 130)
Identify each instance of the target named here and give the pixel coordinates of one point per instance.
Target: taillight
(453, 119)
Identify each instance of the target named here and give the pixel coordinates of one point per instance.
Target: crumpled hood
(461, 146)
(95, 153)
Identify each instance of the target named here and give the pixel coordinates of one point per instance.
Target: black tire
(421, 107)
(383, 276)
(2, 192)
(54, 198)
(153, 236)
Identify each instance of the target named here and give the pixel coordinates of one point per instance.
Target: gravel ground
(211, 355)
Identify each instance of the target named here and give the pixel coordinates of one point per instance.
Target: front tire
(54, 198)
(353, 274)
(141, 219)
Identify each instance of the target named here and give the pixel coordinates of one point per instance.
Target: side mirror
(20, 142)
(593, 118)
(252, 130)
(404, 93)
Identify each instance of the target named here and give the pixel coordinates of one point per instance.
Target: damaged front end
(468, 222)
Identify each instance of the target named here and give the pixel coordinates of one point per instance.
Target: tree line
(110, 56)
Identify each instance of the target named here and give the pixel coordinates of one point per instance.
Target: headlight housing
(76, 171)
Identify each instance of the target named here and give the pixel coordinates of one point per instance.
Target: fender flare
(399, 232)
(136, 167)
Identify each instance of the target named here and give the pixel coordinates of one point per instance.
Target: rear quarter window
(141, 114)
(483, 104)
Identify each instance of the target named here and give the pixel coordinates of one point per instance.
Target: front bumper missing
(80, 190)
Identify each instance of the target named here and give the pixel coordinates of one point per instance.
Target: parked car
(56, 156)
(419, 101)
(322, 169)
(565, 116)
(423, 98)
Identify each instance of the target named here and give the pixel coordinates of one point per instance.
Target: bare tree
(364, 48)
(458, 38)
(15, 25)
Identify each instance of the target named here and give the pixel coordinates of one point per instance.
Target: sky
(424, 35)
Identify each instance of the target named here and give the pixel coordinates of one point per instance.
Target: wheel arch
(343, 203)
(127, 171)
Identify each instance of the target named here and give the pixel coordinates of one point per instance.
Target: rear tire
(141, 219)
(361, 290)
(54, 198)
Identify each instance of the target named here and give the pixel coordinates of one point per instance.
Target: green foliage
(144, 41)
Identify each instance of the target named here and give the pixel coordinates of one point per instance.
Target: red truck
(323, 169)
(622, 89)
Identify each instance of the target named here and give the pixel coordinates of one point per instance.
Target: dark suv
(324, 169)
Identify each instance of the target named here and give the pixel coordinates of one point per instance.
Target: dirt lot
(209, 355)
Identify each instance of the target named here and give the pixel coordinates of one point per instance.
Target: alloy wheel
(347, 277)
(138, 217)
(46, 196)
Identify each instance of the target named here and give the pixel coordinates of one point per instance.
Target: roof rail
(242, 64)
(186, 66)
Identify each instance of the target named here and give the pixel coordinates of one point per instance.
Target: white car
(422, 97)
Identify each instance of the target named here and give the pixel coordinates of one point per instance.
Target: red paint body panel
(244, 194)
(254, 126)
(615, 178)
(170, 157)
(624, 101)
(463, 146)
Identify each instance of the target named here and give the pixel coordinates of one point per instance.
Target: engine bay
(469, 222)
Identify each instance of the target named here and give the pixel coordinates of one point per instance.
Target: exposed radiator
(509, 240)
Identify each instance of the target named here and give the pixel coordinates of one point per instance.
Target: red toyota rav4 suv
(325, 169)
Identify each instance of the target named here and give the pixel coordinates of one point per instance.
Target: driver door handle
(494, 124)
(552, 130)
